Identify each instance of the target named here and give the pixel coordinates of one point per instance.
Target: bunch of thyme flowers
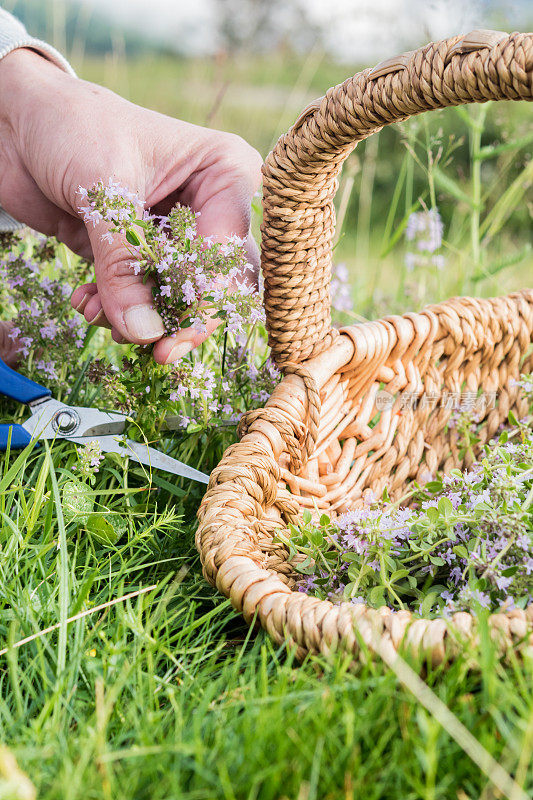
(35, 285)
(192, 395)
(465, 542)
(194, 277)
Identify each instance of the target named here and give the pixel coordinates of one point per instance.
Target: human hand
(8, 347)
(58, 132)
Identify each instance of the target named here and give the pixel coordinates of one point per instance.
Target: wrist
(24, 78)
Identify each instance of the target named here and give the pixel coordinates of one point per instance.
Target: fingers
(122, 302)
(81, 295)
(254, 259)
(173, 348)
(8, 347)
(86, 300)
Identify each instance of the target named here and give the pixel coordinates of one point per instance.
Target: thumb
(122, 299)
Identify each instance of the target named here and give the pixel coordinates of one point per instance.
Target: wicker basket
(312, 442)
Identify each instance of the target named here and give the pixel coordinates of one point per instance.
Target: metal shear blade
(51, 419)
(146, 455)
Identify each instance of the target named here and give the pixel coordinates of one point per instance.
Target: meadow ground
(157, 689)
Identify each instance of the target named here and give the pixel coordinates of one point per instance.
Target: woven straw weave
(313, 445)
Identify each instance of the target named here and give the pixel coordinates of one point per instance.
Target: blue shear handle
(19, 437)
(16, 386)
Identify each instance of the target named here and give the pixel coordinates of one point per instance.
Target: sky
(355, 30)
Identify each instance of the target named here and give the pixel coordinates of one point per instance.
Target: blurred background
(250, 66)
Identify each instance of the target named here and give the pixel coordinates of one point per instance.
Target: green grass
(167, 694)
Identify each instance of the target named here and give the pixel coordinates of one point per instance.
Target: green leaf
(498, 266)
(132, 238)
(83, 591)
(167, 485)
(317, 537)
(102, 529)
(493, 150)
(324, 520)
(376, 596)
(445, 506)
(398, 575)
(427, 603)
(350, 557)
(78, 502)
(512, 419)
(432, 513)
(390, 562)
(437, 561)
(506, 203)
(306, 516)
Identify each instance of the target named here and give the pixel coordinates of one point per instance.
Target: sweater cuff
(46, 50)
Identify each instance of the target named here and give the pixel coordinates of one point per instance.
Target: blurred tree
(259, 25)
(64, 23)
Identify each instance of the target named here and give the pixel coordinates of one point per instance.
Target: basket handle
(300, 174)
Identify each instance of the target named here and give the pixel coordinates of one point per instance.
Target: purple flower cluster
(200, 394)
(253, 383)
(191, 394)
(466, 541)
(340, 290)
(424, 230)
(90, 457)
(46, 332)
(194, 277)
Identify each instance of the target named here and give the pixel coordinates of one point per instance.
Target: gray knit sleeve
(13, 35)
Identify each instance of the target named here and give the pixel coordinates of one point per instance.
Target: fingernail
(178, 351)
(82, 303)
(143, 322)
(99, 319)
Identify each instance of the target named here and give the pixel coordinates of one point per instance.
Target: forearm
(16, 47)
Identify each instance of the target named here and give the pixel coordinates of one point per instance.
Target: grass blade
(63, 567)
(496, 774)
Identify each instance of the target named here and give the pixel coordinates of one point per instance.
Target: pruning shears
(51, 419)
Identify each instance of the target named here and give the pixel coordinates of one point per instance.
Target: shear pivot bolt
(65, 421)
